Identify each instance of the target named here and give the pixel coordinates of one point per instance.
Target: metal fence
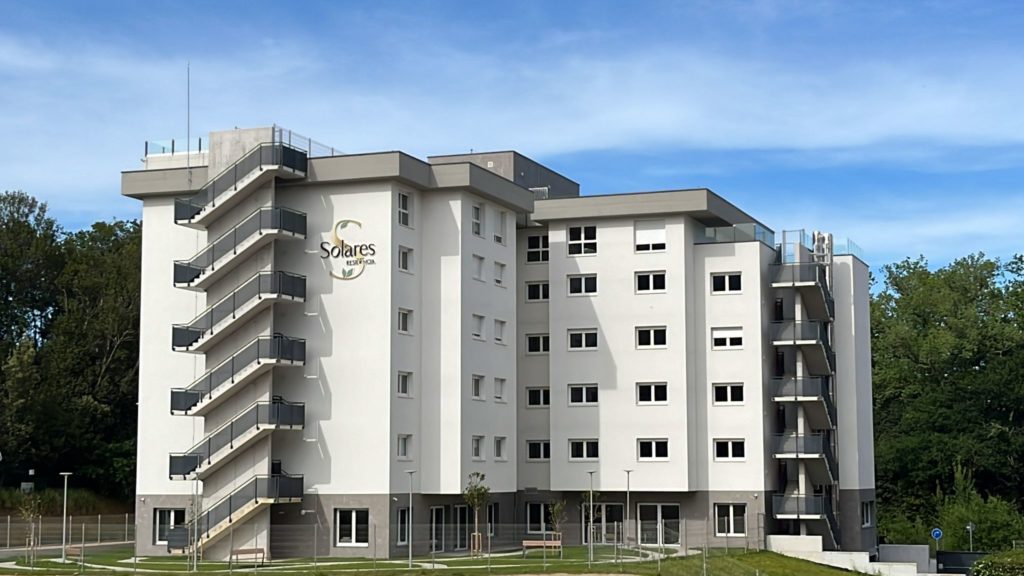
(17, 532)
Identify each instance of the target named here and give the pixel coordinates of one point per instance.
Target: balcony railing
(807, 388)
(749, 232)
(787, 505)
(792, 331)
(807, 274)
(262, 487)
(261, 221)
(262, 285)
(263, 349)
(259, 415)
(807, 445)
(265, 154)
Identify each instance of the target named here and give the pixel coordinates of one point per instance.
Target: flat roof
(700, 203)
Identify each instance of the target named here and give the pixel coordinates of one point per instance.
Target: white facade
(466, 324)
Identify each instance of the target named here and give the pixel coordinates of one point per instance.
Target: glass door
(437, 528)
(607, 520)
(659, 524)
(461, 527)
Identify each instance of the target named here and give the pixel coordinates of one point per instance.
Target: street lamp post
(970, 533)
(64, 521)
(409, 524)
(590, 522)
(626, 535)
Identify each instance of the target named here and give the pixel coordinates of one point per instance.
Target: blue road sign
(936, 533)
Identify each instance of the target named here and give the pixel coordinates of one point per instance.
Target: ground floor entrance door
(437, 528)
(607, 523)
(461, 527)
(659, 524)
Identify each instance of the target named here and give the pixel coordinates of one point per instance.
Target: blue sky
(897, 124)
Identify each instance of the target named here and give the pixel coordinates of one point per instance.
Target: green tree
(477, 495)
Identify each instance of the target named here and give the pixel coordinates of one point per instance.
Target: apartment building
(328, 338)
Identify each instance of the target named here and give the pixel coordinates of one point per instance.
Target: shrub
(1004, 564)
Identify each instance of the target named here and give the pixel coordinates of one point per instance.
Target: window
(500, 226)
(499, 448)
(405, 321)
(492, 518)
(652, 449)
(403, 526)
(583, 449)
(353, 527)
(651, 393)
(404, 446)
(499, 389)
(538, 343)
(476, 387)
(867, 514)
(499, 331)
(583, 394)
(726, 283)
(728, 393)
(582, 284)
(478, 219)
(538, 450)
(405, 259)
(538, 397)
(649, 235)
(165, 520)
(499, 274)
(730, 519)
(647, 282)
(537, 249)
(404, 209)
(582, 240)
(730, 450)
(537, 291)
(478, 327)
(726, 338)
(583, 339)
(404, 384)
(651, 337)
(538, 517)
(477, 447)
(478, 267)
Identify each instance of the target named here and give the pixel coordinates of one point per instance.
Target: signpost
(936, 535)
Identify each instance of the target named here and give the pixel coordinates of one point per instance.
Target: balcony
(265, 161)
(255, 358)
(749, 232)
(217, 321)
(253, 423)
(802, 507)
(255, 495)
(814, 393)
(234, 246)
(814, 450)
(811, 280)
(811, 337)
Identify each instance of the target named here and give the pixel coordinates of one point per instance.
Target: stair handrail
(250, 484)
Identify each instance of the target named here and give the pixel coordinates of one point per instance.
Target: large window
(652, 393)
(352, 527)
(538, 517)
(538, 450)
(538, 343)
(583, 394)
(537, 291)
(730, 450)
(650, 235)
(726, 283)
(650, 282)
(659, 524)
(652, 449)
(537, 249)
(726, 338)
(583, 339)
(165, 520)
(404, 209)
(728, 393)
(537, 397)
(582, 284)
(651, 337)
(403, 526)
(582, 240)
(730, 519)
(583, 449)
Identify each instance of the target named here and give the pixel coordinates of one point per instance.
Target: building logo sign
(351, 257)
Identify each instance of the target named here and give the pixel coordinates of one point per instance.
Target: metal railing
(260, 414)
(261, 285)
(173, 146)
(265, 154)
(807, 388)
(833, 526)
(260, 487)
(265, 348)
(793, 505)
(806, 331)
(806, 272)
(808, 445)
(256, 224)
(738, 233)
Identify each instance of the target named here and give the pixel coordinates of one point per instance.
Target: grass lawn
(574, 561)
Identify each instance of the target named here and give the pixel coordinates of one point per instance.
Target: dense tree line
(947, 344)
(69, 317)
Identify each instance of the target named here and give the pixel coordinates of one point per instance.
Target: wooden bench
(554, 542)
(73, 553)
(255, 553)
